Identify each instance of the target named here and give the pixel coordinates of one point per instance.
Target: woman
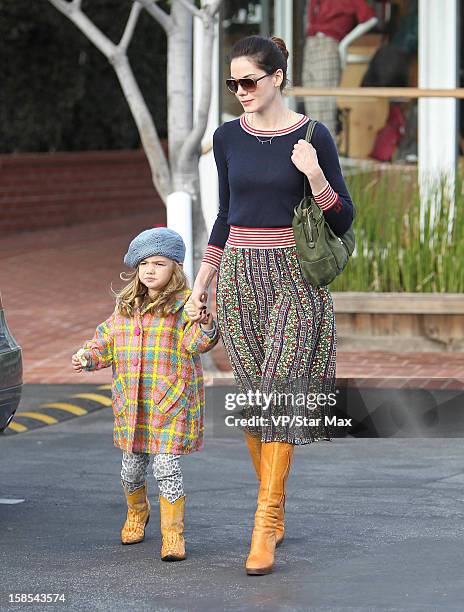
(278, 330)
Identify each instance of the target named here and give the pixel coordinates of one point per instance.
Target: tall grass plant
(394, 253)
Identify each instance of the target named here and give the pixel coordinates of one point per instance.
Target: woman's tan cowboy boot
(172, 529)
(138, 515)
(254, 446)
(275, 465)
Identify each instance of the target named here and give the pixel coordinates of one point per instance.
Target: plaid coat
(157, 390)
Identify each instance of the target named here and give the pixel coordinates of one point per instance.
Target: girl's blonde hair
(134, 293)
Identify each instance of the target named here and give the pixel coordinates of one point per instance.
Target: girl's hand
(195, 306)
(79, 360)
(76, 363)
(206, 321)
(304, 157)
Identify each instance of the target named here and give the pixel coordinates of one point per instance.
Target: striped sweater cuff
(326, 198)
(212, 256)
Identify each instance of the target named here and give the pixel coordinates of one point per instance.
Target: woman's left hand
(304, 157)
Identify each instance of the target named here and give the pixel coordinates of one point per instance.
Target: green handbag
(322, 254)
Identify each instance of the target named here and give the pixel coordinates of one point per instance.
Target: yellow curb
(104, 388)
(72, 408)
(45, 418)
(101, 399)
(16, 426)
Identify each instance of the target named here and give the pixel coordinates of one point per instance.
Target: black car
(11, 372)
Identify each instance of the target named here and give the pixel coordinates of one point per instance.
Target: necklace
(269, 140)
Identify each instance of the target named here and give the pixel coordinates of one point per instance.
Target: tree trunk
(189, 181)
(181, 174)
(185, 177)
(146, 128)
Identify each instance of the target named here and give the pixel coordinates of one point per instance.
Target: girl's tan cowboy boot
(172, 529)
(275, 465)
(138, 515)
(254, 446)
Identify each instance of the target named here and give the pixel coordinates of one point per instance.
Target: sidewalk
(55, 286)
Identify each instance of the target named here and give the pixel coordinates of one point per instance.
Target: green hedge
(59, 93)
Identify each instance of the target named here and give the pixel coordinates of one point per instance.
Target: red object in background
(159, 225)
(388, 137)
(336, 18)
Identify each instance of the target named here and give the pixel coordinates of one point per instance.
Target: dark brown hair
(269, 54)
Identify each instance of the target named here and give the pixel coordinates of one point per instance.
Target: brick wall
(47, 190)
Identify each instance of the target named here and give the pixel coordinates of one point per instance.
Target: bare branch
(161, 17)
(64, 7)
(192, 8)
(87, 27)
(130, 27)
(117, 57)
(148, 135)
(213, 8)
(77, 3)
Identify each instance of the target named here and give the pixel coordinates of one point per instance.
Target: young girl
(157, 387)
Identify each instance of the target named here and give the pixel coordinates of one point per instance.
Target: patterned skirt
(280, 336)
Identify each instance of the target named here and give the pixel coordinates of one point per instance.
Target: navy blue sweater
(259, 185)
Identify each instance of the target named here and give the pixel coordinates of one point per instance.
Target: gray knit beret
(156, 241)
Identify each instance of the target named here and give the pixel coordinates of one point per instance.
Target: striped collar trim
(255, 132)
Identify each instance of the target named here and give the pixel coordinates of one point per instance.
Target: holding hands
(207, 321)
(195, 307)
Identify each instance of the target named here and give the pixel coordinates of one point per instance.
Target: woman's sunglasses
(248, 84)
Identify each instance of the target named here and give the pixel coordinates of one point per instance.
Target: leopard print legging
(166, 470)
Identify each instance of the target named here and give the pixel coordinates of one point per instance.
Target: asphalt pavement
(372, 524)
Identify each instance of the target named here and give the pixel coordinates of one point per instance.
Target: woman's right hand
(195, 306)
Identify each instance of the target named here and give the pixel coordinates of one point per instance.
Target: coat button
(137, 331)
(135, 361)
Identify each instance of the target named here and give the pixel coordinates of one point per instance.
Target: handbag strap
(309, 135)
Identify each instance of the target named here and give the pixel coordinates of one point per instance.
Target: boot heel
(260, 572)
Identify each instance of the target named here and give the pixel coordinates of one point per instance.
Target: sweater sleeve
(220, 231)
(334, 199)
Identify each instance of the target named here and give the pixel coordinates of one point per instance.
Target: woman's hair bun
(281, 44)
